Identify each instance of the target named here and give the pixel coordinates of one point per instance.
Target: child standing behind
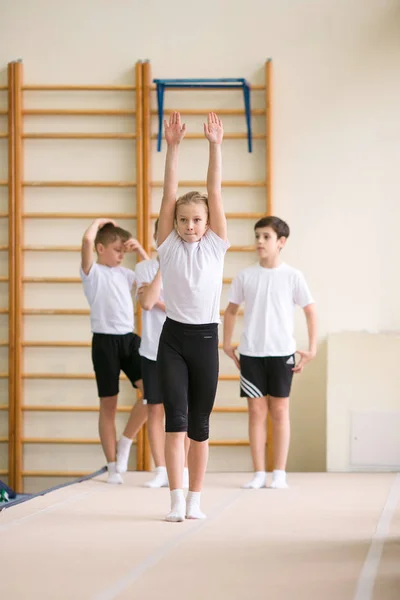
(151, 298)
(270, 291)
(115, 346)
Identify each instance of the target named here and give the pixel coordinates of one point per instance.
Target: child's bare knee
(108, 405)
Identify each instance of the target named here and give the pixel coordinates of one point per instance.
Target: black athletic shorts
(112, 354)
(150, 381)
(266, 376)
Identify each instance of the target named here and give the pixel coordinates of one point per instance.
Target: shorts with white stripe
(266, 376)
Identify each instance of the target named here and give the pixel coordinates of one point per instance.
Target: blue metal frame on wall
(228, 83)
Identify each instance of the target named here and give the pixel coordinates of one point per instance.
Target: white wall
(336, 131)
(363, 408)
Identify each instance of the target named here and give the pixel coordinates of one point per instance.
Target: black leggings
(188, 365)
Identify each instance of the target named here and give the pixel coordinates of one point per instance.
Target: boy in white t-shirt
(270, 290)
(151, 299)
(115, 346)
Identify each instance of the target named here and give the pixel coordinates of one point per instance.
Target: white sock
(279, 480)
(123, 450)
(185, 477)
(193, 506)
(159, 480)
(113, 476)
(178, 507)
(259, 480)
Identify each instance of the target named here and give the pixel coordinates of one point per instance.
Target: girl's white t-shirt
(192, 277)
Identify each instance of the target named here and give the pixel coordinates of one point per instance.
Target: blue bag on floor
(4, 487)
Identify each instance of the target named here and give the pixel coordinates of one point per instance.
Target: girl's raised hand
(213, 129)
(174, 130)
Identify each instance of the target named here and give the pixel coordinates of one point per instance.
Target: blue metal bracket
(163, 84)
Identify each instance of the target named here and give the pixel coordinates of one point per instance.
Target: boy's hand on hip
(305, 357)
(231, 352)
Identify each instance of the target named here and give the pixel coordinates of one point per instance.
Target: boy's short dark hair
(109, 233)
(280, 227)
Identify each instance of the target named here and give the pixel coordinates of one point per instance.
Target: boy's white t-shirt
(152, 320)
(192, 277)
(270, 297)
(108, 291)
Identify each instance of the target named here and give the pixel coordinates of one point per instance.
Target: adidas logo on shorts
(290, 361)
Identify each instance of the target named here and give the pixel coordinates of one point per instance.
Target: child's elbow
(232, 309)
(146, 305)
(310, 309)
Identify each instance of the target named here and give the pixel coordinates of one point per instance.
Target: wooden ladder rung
(235, 215)
(60, 408)
(78, 136)
(242, 249)
(121, 409)
(80, 184)
(202, 184)
(66, 344)
(60, 215)
(256, 112)
(55, 344)
(73, 376)
(56, 311)
(230, 409)
(52, 280)
(77, 376)
(68, 311)
(83, 441)
(78, 88)
(229, 443)
(254, 88)
(51, 249)
(33, 440)
(77, 112)
(89, 441)
(227, 136)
